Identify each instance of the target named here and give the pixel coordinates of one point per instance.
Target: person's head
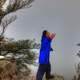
(46, 33)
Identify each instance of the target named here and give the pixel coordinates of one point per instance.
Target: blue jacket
(45, 50)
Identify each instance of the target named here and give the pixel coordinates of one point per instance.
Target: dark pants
(43, 69)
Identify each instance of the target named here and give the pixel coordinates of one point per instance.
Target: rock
(2, 57)
(57, 77)
(9, 55)
(8, 70)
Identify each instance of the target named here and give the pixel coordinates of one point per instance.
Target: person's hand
(52, 35)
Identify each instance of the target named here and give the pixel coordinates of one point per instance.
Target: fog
(59, 16)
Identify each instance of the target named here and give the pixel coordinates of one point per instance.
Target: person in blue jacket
(44, 63)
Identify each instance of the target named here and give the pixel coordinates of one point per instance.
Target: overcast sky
(59, 16)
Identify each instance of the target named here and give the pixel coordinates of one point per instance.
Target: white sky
(60, 16)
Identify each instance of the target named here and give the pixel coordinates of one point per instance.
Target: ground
(8, 72)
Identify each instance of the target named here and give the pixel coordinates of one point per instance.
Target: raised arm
(52, 35)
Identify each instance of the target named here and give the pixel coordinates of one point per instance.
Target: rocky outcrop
(8, 70)
(56, 77)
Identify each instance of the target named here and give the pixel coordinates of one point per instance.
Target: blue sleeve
(46, 43)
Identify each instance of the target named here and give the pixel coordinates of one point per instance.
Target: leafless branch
(12, 7)
(6, 21)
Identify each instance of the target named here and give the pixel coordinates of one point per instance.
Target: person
(44, 63)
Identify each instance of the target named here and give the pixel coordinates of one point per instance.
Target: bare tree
(77, 67)
(12, 6)
(8, 7)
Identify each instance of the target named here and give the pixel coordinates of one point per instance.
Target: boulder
(8, 70)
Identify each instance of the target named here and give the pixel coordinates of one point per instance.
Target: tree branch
(12, 7)
(6, 21)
